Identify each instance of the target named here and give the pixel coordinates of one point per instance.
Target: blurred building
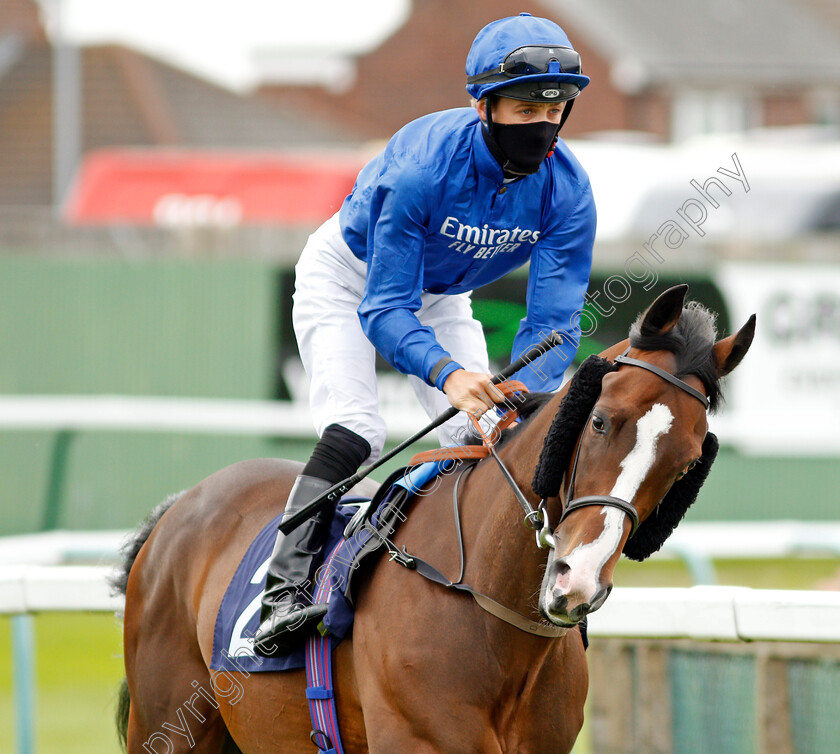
(688, 68)
(420, 69)
(125, 98)
(662, 73)
(669, 69)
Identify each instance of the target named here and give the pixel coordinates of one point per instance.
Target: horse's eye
(686, 470)
(598, 424)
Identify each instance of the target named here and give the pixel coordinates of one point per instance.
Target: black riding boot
(287, 611)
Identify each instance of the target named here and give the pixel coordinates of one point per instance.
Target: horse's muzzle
(566, 602)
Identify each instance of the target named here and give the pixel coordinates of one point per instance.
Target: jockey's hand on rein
(472, 392)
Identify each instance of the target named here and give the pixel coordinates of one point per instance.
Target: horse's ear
(729, 351)
(664, 313)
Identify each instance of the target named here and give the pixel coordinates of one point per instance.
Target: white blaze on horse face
(586, 561)
(636, 466)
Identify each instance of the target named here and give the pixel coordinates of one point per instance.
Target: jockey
(456, 200)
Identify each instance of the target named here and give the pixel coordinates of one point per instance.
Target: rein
(427, 570)
(535, 518)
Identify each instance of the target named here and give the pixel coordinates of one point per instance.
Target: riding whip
(334, 493)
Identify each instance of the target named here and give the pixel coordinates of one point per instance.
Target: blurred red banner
(184, 188)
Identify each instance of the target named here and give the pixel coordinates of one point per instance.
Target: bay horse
(426, 669)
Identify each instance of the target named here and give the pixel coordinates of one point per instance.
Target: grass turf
(79, 660)
(781, 573)
(78, 669)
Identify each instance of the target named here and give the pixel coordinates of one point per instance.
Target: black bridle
(667, 376)
(609, 500)
(537, 519)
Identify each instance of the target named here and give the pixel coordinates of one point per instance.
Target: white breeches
(339, 359)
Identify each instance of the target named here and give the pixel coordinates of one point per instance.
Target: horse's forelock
(568, 423)
(655, 529)
(691, 341)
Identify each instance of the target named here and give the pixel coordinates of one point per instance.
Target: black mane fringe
(654, 530)
(122, 714)
(567, 425)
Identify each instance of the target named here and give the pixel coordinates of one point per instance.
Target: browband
(624, 359)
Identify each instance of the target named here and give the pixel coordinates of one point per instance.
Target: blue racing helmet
(524, 57)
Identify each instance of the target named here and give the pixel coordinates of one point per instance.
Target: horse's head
(629, 448)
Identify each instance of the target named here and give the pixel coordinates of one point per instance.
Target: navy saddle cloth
(238, 617)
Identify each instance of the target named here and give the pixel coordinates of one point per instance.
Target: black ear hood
(655, 529)
(567, 425)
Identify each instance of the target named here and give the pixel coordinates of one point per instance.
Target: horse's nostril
(581, 610)
(559, 603)
(602, 594)
(561, 566)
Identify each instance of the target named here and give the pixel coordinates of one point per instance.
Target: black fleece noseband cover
(561, 439)
(657, 527)
(560, 442)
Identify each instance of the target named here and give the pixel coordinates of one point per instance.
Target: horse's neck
(522, 452)
(503, 555)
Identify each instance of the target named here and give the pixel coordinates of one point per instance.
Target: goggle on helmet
(525, 58)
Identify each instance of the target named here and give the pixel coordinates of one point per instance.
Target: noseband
(608, 500)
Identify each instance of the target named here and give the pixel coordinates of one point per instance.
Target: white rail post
(23, 660)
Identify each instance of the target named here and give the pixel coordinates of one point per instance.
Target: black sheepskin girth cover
(559, 445)
(562, 436)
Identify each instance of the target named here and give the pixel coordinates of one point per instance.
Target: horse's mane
(691, 342)
(568, 423)
(131, 549)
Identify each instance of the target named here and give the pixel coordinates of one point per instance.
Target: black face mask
(524, 145)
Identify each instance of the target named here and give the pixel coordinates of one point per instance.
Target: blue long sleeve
(432, 213)
(557, 281)
(396, 246)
